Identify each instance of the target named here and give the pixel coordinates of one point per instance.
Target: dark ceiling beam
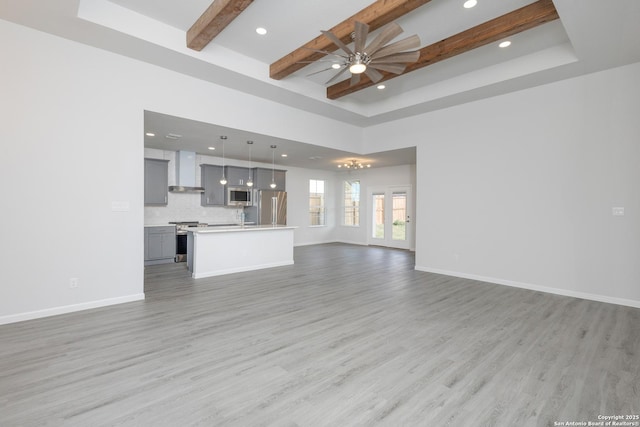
(213, 21)
(376, 15)
(519, 20)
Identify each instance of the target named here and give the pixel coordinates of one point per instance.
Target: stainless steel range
(181, 237)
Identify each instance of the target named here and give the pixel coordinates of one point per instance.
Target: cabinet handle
(207, 200)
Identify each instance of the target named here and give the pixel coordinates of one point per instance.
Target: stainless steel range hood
(185, 173)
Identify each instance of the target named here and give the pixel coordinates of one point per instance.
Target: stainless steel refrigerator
(269, 207)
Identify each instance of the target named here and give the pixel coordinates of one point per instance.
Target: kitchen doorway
(389, 217)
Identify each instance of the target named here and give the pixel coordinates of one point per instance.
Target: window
(351, 203)
(316, 202)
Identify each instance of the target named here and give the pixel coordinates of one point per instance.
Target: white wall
(72, 138)
(518, 189)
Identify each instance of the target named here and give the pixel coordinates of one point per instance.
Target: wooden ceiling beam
(213, 21)
(375, 15)
(506, 25)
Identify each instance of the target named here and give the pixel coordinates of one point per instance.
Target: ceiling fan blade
(373, 74)
(361, 32)
(411, 42)
(338, 74)
(398, 57)
(320, 71)
(388, 33)
(326, 52)
(337, 42)
(355, 79)
(392, 68)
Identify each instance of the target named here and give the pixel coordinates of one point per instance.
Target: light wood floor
(348, 336)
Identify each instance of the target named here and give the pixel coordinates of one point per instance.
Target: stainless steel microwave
(238, 196)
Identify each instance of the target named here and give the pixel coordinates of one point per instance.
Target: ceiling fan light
(357, 68)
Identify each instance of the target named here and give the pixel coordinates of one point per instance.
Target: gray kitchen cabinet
(262, 178)
(159, 245)
(237, 176)
(213, 191)
(156, 182)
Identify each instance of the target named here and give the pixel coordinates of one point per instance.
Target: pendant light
(223, 180)
(250, 180)
(273, 167)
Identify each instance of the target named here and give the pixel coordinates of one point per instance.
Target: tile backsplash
(186, 206)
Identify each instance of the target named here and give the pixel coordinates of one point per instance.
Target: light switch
(617, 211)
(119, 206)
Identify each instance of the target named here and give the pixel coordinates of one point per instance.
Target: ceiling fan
(372, 58)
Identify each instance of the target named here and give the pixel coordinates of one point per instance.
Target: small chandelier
(354, 164)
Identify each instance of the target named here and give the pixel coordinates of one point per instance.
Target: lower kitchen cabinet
(159, 245)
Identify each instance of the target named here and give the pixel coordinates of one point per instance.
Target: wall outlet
(73, 282)
(617, 211)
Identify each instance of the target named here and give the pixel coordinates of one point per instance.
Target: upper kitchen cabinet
(237, 176)
(213, 191)
(156, 182)
(262, 178)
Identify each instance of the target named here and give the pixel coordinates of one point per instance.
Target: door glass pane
(399, 231)
(378, 216)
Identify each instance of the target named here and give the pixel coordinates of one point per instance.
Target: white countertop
(234, 228)
(159, 225)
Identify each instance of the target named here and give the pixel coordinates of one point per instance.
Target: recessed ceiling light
(335, 66)
(381, 87)
(173, 136)
(283, 155)
(505, 43)
(150, 134)
(212, 148)
(261, 31)
(470, 3)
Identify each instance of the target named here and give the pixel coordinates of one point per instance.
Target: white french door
(389, 217)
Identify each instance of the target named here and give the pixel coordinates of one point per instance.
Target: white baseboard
(351, 243)
(313, 243)
(546, 289)
(54, 311)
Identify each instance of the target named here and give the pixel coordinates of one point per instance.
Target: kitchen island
(212, 251)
